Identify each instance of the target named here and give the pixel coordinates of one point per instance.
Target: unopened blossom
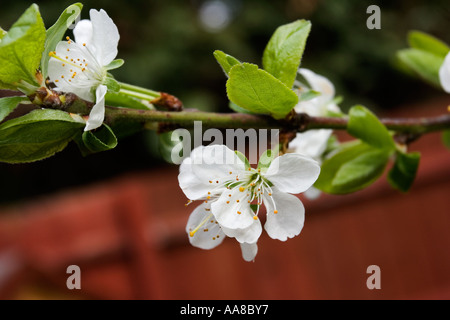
(313, 143)
(444, 74)
(231, 191)
(81, 66)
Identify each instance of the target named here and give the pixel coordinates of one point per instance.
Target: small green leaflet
(403, 173)
(354, 166)
(101, 139)
(56, 32)
(21, 49)
(258, 91)
(364, 125)
(37, 135)
(422, 63)
(421, 40)
(226, 61)
(283, 53)
(8, 104)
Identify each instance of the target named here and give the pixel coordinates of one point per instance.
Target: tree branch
(295, 122)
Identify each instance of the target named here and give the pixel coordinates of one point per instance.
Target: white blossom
(233, 193)
(313, 143)
(81, 66)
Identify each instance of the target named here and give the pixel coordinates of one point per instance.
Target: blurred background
(120, 215)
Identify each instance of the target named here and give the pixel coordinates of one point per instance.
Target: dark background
(167, 47)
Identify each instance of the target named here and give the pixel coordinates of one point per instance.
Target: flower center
(252, 186)
(75, 65)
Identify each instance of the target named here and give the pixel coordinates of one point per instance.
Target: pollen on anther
(255, 217)
(241, 189)
(270, 194)
(84, 44)
(237, 200)
(228, 202)
(238, 212)
(275, 211)
(208, 197)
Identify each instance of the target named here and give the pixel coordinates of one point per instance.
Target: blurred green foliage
(166, 47)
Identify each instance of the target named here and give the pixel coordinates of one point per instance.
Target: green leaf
(115, 64)
(243, 158)
(423, 41)
(423, 64)
(21, 49)
(8, 104)
(353, 167)
(283, 53)
(403, 173)
(166, 144)
(37, 135)
(258, 91)
(226, 61)
(236, 108)
(364, 125)
(446, 138)
(56, 33)
(267, 157)
(101, 139)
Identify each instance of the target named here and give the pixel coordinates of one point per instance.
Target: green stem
(299, 122)
(137, 94)
(129, 88)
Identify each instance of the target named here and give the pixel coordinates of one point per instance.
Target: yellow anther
(241, 189)
(255, 217)
(208, 197)
(84, 44)
(238, 212)
(275, 211)
(270, 194)
(237, 200)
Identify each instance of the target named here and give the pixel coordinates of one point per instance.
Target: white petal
(318, 83)
(209, 235)
(193, 187)
(214, 163)
(293, 172)
(444, 74)
(232, 210)
(311, 143)
(67, 74)
(97, 114)
(105, 36)
(288, 221)
(83, 32)
(249, 251)
(250, 234)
